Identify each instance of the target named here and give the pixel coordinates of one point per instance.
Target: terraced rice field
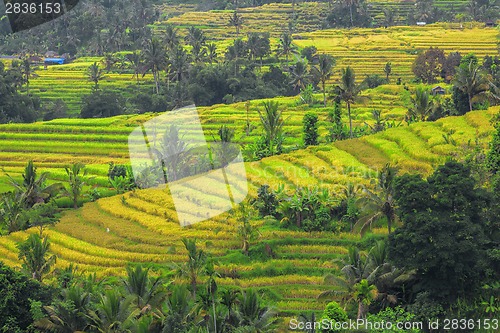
(367, 50)
(143, 226)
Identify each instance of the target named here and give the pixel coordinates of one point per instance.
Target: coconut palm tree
(212, 53)
(67, 314)
(388, 70)
(194, 265)
(135, 61)
(253, 317)
(76, 182)
(95, 74)
(286, 46)
(113, 312)
(324, 70)
(472, 80)
(364, 293)
(27, 72)
(179, 60)
(348, 91)
(171, 37)
(155, 60)
(300, 76)
(272, 121)
(147, 292)
(422, 104)
(379, 203)
(236, 21)
(33, 189)
(34, 253)
(172, 153)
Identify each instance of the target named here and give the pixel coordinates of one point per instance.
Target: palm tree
(252, 316)
(236, 20)
(27, 72)
(364, 294)
(286, 46)
(76, 182)
(195, 36)
(33, 252)
(422, 104)
(155, 59)
(324, 70)
(350, 4)
(180, 314)
(381, 202)
(69, 314)
(95, 74)
(171, 37)
(135, 61)
(387, 70)
(147, 292)
(180, 64)
(348, 91)
(172, 153)
(272, 121)
(300, 76)
(212, 53)
(33, 189)
(472, 80)
(246, 231)
(113, 312)
(194, 265)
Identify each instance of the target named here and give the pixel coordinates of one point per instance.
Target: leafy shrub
(333, 314)
(310, 129)
(101, 104)
(266, 201)
(393, 316)
(374, 80)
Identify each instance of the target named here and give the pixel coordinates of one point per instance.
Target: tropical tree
(171, 37)
(212, 53)
(246, 231)
(33, 189)
(68, 313)
(95, 74)
(172, 153)
(272, 121)
(135, 60)
(422, 104)
(113, 312)
(155, 60)
(364, 294)
(147, 292)
(324, 70)
(194, 265)
(253, 317)
(348, 91)
(286, 46)
(179, 60)
(76, 182)
(180, 314)
(381, 202)
(27, 72)
(33, 252)
(388, 70)
(300, 76)
(472, 80)
(236, 21)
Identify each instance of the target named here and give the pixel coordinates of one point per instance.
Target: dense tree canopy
(443, 235)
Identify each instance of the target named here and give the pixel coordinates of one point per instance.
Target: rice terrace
(367, 134)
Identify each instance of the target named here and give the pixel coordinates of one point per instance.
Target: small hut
(438, 90)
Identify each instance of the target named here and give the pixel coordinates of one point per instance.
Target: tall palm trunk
(470, 101)
(350, 10)
(350, 119)
(324, 94)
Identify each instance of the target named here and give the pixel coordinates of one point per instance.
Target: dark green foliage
(15, 107)
(443, 232)
(309, 53)
(334, 314)
(101, 104)
(266, 201)
(460, 101)
(56, 109)
(310, 123)
(347, 14)
(374, 80)
(493, 155)
(427, 66)
(17, 292)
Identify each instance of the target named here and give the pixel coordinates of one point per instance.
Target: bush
(393, 316)
(101, 104)
(333, 314)
(54, 110)
(266, 201)
(310, 129)
(374, 80)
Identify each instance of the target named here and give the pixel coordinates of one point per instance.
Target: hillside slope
(143, 227)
